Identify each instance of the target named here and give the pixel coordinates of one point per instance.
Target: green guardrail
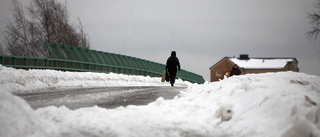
(71, 58)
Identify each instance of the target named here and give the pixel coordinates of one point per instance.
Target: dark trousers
(172, 76)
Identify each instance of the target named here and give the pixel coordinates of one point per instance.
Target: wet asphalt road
(109, 97)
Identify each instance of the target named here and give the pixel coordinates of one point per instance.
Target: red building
(252, 65)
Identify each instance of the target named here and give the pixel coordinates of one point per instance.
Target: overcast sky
(202, 32)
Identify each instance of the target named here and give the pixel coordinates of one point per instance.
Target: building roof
(262, 63)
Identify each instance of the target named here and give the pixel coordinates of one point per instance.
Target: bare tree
(83, 37)
(48, 22)
(314, 18)
(53, 18)
(18, 35)
(1, 49)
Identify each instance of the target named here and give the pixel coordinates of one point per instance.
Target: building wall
(292, 66)
(220, 70)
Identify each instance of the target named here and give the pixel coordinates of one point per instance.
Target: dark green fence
(71, 58)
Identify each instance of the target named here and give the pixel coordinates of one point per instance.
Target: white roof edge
(262, 63)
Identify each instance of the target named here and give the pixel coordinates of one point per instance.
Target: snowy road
(109, 97)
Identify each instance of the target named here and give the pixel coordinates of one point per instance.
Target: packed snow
(279, 104)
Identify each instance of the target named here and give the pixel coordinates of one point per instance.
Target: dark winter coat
(235, 71)
(173, 64)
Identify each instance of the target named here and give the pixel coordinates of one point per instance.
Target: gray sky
(202, 32)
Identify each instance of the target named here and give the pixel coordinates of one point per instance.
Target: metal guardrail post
(60, 52)
(97, 57)
(68, 53)
(76, 53)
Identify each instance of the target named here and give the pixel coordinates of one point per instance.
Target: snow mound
(17, 118)
(261, 103)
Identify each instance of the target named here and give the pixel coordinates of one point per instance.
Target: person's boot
(171, 84)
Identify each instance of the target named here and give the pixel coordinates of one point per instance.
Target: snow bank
(17, 119)
(261, 105)
(34, 80)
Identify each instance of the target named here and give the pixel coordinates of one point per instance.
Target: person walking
(235, 70)
(172, 66)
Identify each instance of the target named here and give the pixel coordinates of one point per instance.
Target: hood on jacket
(173, 54)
